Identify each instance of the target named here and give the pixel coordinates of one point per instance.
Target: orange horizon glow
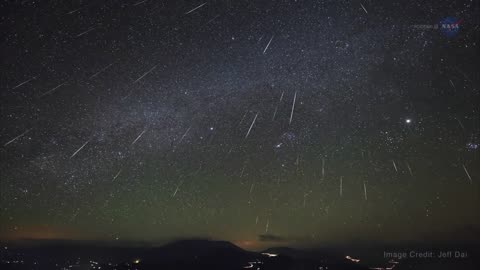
(41, 232)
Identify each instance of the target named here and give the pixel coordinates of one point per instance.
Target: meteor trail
(276, 107)
(243, 169)
(139, 3)
(293, 107)
(453, 85)
(341, 186)
(364, 8)
(100, 71)
(268, 45)
(73, 11)
(53, 89)
(409, 169)
(466, 172)
(145, 74)
(115, 177)
(176, 190)
(86, 32)
(139, 136)
(394, 165)
(184, 134)
(195, 8)
(365, 190)
(460, 123)
(79, 149)
(18, 137)
(253, 122)
(323, 168)
(243, 117)
(25, 82)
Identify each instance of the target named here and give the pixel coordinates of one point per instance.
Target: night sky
(258, 122)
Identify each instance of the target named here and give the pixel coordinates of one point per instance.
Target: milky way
(305, 121)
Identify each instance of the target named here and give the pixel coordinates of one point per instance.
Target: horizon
(257, 245)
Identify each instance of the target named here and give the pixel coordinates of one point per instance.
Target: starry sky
(258, 122)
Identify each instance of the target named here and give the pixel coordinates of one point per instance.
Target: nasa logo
(450, 26)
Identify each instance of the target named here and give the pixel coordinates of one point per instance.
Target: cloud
(271, 238)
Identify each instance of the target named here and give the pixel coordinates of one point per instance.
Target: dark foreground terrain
(205, 254)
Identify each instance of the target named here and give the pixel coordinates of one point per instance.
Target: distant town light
(352, 259)
(270, 254)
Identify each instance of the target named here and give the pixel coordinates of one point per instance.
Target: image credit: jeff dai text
(414, 254)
